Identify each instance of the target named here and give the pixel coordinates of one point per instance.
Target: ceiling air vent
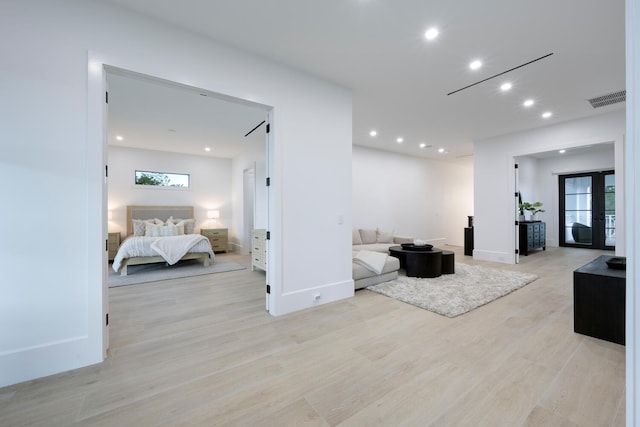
(611, 98)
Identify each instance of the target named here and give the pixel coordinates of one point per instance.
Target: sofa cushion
(384, 236)
(378, 247)
(368, 236)
(355, 237)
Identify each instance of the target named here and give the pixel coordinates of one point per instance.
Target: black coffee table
(418, 263)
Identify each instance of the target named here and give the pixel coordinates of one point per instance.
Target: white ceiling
(158, 115)
(400, 81)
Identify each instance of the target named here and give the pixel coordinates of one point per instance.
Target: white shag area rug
(454, 294)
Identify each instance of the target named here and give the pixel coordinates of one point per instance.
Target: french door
(587, 210)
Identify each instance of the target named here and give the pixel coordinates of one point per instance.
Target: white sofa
(377, 241)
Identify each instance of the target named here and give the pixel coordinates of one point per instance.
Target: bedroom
(157, 126)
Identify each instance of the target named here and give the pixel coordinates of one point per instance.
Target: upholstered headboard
(160, 212)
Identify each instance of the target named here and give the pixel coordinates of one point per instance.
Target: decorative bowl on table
(414, 247)
(617, 263)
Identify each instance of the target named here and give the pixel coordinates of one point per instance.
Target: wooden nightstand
(219, 238)
(113, 245)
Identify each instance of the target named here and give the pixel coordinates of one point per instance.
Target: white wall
(494, 177)
(412, 196)
(51, 80)
(539, 180)
(210, 185)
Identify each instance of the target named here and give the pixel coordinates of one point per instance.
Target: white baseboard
(26, 364)
(503, 257)
(313, 297)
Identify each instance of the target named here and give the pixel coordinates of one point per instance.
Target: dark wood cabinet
(599, 297)
(532, 236)
(468, 241)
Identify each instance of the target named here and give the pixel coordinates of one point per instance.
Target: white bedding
(371, 260)
(171, 248)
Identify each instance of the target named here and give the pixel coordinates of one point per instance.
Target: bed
(161, 234)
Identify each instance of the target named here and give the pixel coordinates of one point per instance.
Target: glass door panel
(587, 210)
(610, 210)
(578, 210)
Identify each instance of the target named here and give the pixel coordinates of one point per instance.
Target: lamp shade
(213, 214)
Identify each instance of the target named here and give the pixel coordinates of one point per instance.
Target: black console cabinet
(532, 236)
(468, 241)
(599, 301)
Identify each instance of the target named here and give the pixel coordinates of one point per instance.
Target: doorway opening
(587, 210)
(222, 109)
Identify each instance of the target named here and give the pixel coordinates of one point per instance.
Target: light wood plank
(203, 351)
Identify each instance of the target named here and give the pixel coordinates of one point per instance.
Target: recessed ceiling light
(562, 151)
(505, 87)
(475, 64)
(400, 140)
(119, 138)
(373, 133)
(207, 149)
(528, 103)
(431, 33)
(440, 150)
(423, 145)
(546, 114)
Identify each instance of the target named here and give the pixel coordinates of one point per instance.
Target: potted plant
(533, 209)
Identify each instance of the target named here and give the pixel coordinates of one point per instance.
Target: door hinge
(106, 171)
(517, 223)
(268, 181)
(106, 245)
(268, 127)
(516, 166)
(107, 320)
(517, 252)
(106, 97)
(268, 235)
(269, 289)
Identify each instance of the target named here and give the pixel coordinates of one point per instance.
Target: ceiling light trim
(500, 74)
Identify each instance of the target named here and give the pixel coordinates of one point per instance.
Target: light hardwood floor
(202, 351)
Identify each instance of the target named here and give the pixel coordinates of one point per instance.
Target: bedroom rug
(454, 294)
(160, 271)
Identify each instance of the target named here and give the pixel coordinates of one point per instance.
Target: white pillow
(140, 226)
(384, 236)
(355, 236)
(368, 236)
(152, 230)
(189, 224)
(171, 230)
